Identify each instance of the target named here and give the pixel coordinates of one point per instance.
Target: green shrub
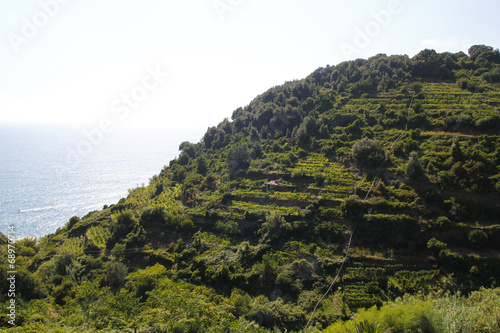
(228, 227)
(118, 250)
(319, 179)
(116, 274)
(404, 315)
(442, 223)
(145, 280)
(435, 245)
(367, 152)
(413, 167)
(72, 221)
(478, 313)
(187, 225)
(351, 207)
(153, 215)
(124, 222)
(477, 239)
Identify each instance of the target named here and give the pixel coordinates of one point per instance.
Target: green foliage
(260, 260)
(352, 208)
(390, 230)
(73, 221)
(201, 165)
(187, 225)
(238, 159)
(228, 227)
(98, 235)
(123, 223)
(118, 250)
(144, 280)
(477, 239)
(441, 223)
(404, 315)
(116, 274)
(93, 306)
(63, 262)
(476, 313)
(365, 327)
(274, 228)
(413, 167)
(367, 152)
(151, 216)
(436, 246)
(188, 148)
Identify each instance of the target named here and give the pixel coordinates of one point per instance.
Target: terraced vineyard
(370, 183)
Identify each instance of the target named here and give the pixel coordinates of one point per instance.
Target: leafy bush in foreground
(477, 313)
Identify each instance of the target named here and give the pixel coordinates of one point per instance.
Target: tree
(116, 274)
(416, 87)
(238, 159)
(307, 129)
(456, 151)
(187, 225)
(256, 150)
(145, 280)
(351, 207)
(72, 221)
(475, 50)
(228, 228)
(367, 152)
(414, 168)
(188, 148)
(201, 165)
(274, 228)
(183, 158)
(153, 215)
(124, 222)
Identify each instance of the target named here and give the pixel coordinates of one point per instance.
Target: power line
(358, 217)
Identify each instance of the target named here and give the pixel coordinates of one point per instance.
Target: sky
(191, 63)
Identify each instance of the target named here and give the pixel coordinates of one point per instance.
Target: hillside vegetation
(372, 186)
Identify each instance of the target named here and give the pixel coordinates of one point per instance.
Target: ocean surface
(49, 173)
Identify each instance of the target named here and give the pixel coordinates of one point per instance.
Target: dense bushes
(477, 313)
(389, 230)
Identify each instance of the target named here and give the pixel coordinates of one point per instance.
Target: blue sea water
(49, 173)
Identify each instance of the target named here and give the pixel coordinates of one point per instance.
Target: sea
(49, 173)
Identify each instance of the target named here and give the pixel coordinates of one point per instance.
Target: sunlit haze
(181, 64)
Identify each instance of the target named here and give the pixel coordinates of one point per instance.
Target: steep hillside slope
(361, 183)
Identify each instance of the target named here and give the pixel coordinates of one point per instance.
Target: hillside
(362, 183)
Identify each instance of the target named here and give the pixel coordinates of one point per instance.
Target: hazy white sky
(190, 63)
